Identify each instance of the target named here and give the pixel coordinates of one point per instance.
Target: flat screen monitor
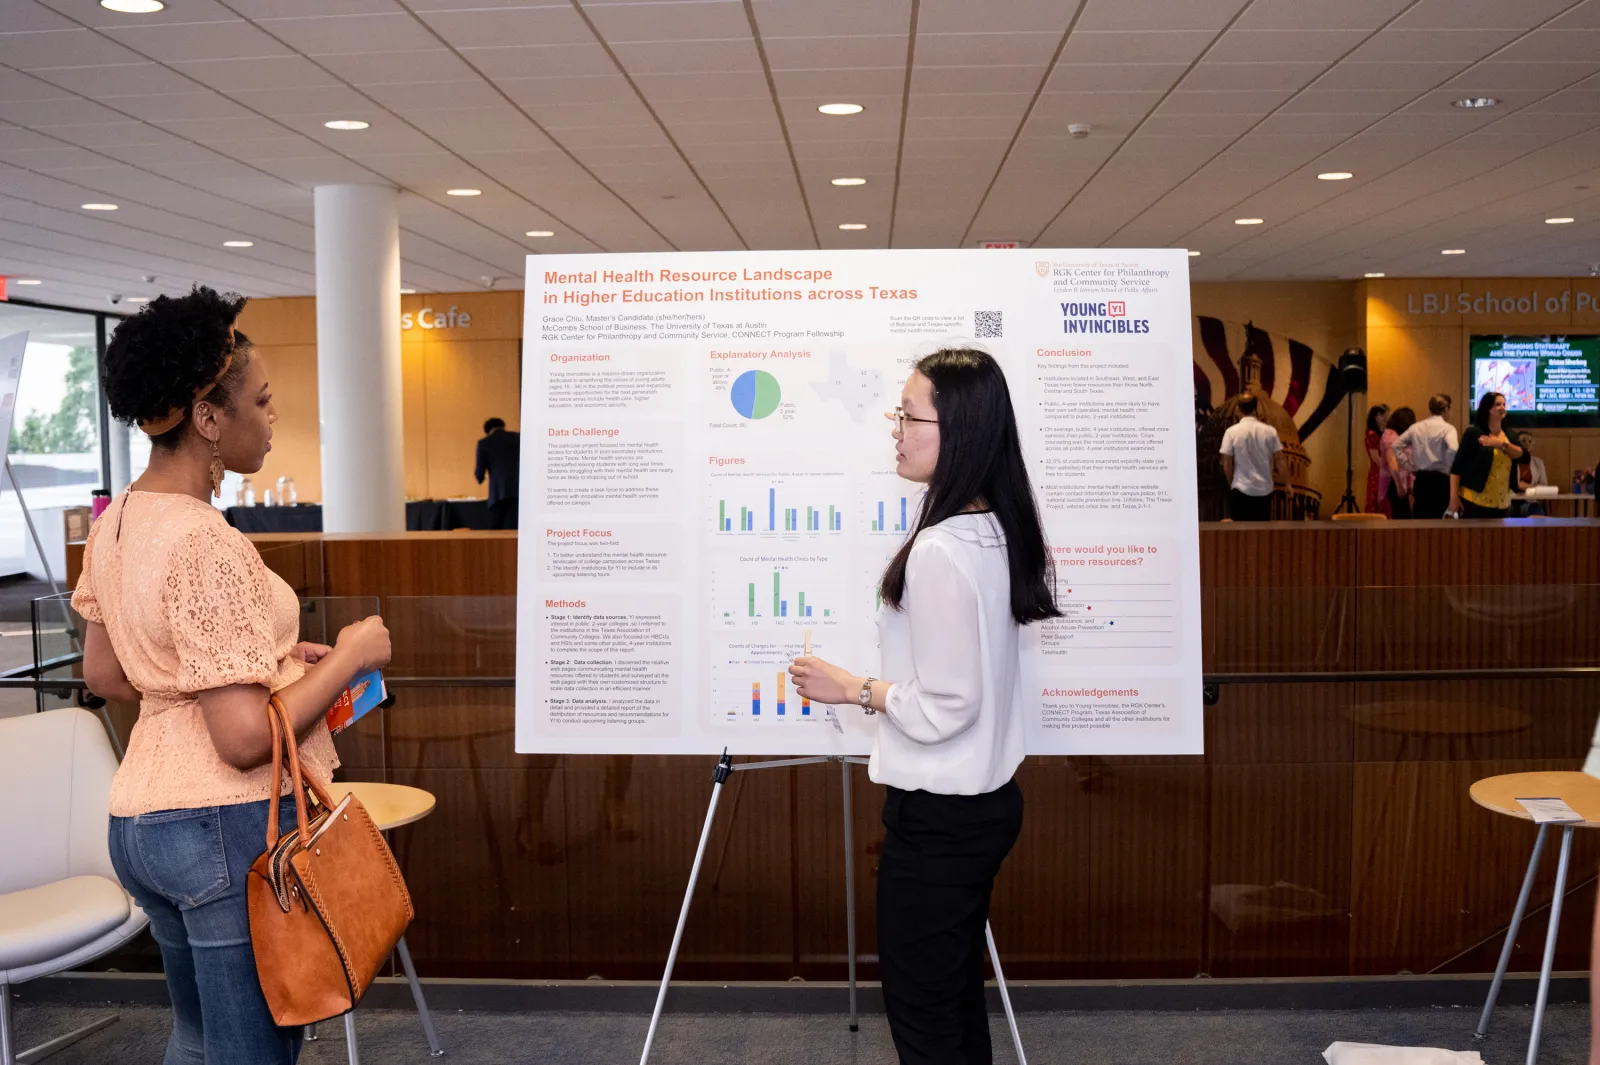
(1547, 380)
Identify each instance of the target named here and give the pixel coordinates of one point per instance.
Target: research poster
(708, 476)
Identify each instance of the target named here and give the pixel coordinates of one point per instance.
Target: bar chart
(750, 683)
(778, 512)
(761, 590)
(891, 504)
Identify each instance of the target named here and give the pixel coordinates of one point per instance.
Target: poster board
(12, 350)
(707, 473)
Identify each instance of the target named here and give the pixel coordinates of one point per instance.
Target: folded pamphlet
(364, 693)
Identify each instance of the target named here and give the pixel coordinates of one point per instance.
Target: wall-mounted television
(1549, 381)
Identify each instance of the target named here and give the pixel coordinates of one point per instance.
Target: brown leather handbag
(327, 901)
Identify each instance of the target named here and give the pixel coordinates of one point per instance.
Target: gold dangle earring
(217, 470)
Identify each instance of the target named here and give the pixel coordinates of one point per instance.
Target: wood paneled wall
(1326, 830)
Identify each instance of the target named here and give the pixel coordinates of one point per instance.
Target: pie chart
(755, 394)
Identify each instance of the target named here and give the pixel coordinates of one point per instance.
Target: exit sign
(1001, 244)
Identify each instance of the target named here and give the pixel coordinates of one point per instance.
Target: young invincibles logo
(1110, 316)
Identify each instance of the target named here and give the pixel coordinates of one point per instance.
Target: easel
(724, 769)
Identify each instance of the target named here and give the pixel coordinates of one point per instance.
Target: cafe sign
(429, 318)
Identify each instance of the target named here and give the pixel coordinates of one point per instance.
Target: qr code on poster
(987, 324)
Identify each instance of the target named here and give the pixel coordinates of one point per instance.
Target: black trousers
(503, 515)
(1470, 509)
(1399, 505)
(1430, 494)
(1249, 508)
(940, 857)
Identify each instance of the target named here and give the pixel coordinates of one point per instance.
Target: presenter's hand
(311, 653)
(368, 642)
(824, 682)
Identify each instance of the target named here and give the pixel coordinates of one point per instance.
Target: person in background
(1530, 475)
(1249, 460)
(499, 459)
(1377, 470)
(1400, 476)
(184, 619)
(1482, 476)
(1428, 449)
(956, 595)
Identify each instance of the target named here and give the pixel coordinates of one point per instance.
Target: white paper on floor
(1374, 1054)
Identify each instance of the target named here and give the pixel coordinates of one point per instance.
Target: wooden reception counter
(1327, 829)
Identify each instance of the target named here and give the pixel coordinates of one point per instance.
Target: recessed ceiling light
(852, 225)
(841, 109)
(540, 233)
(99, 207)
(347, 123)
(1378, 274)
(238, 244)
(1476, 101)
(1247, 221)
(138, 299)
(1192, 253)
(26, 281)
(1453, 251)
(463, 192)
(1335, 175)
(1557, 221)
(133, 7)
(849, 181)
(408, 292)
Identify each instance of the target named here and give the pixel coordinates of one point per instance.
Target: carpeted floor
(1121, 1038)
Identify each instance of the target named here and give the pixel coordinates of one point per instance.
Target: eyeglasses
(900, 417)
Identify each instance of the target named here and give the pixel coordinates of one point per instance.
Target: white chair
(60, 902)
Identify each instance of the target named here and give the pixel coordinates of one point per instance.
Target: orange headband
(174, 417)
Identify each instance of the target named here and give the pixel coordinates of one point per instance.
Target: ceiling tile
(1537, 77)
(1284, 46)
(119, 79)
(1319, 14)
(170, 107)
(381, 69)
(62, 48)
(971, 49)
(1013, 16)
(352, 34)
(1417, 76)
(1480, 14)
(1568, 44)
(276, 72)
(484, 28)
(1113, 77)
(198, 40)
(1431, 46)
(705, 21)
(688, 56)
(1130, 47)
(837, 53)
(825, 18)
(1250, 76)
(1210, 15)
(545, 61)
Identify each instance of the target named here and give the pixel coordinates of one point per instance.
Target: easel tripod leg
(850, 893)
(723, 768)
(1005, 995)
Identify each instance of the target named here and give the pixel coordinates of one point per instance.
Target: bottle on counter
(266, 498)
(247, 493)
(286, 491)
(99, 500)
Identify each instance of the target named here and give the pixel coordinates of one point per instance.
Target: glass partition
(55, 432)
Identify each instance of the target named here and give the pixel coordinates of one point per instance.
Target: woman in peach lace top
(186, 620)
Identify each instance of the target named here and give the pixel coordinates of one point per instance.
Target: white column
(358, 359)
(121, 457)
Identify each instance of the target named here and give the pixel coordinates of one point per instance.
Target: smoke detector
(1080, 130)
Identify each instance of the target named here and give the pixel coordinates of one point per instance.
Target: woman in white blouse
(971, 573)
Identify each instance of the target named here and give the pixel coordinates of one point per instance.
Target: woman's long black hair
(1480, 417)
(980, 461)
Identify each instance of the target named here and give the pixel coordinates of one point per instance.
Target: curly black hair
(160, 357)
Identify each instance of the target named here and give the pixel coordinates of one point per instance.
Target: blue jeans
(186, 869)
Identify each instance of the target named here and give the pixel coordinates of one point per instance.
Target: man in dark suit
(499, 458)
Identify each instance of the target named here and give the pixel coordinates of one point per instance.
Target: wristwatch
(864, 697)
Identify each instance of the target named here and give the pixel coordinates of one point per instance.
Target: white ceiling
(692, 124)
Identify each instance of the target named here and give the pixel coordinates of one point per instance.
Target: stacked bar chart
(751, 683)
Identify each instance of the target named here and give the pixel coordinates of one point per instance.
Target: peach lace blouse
(189, 605)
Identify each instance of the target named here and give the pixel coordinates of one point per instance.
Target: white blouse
(953, 722)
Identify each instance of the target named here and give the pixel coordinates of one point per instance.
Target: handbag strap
(286, 748)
